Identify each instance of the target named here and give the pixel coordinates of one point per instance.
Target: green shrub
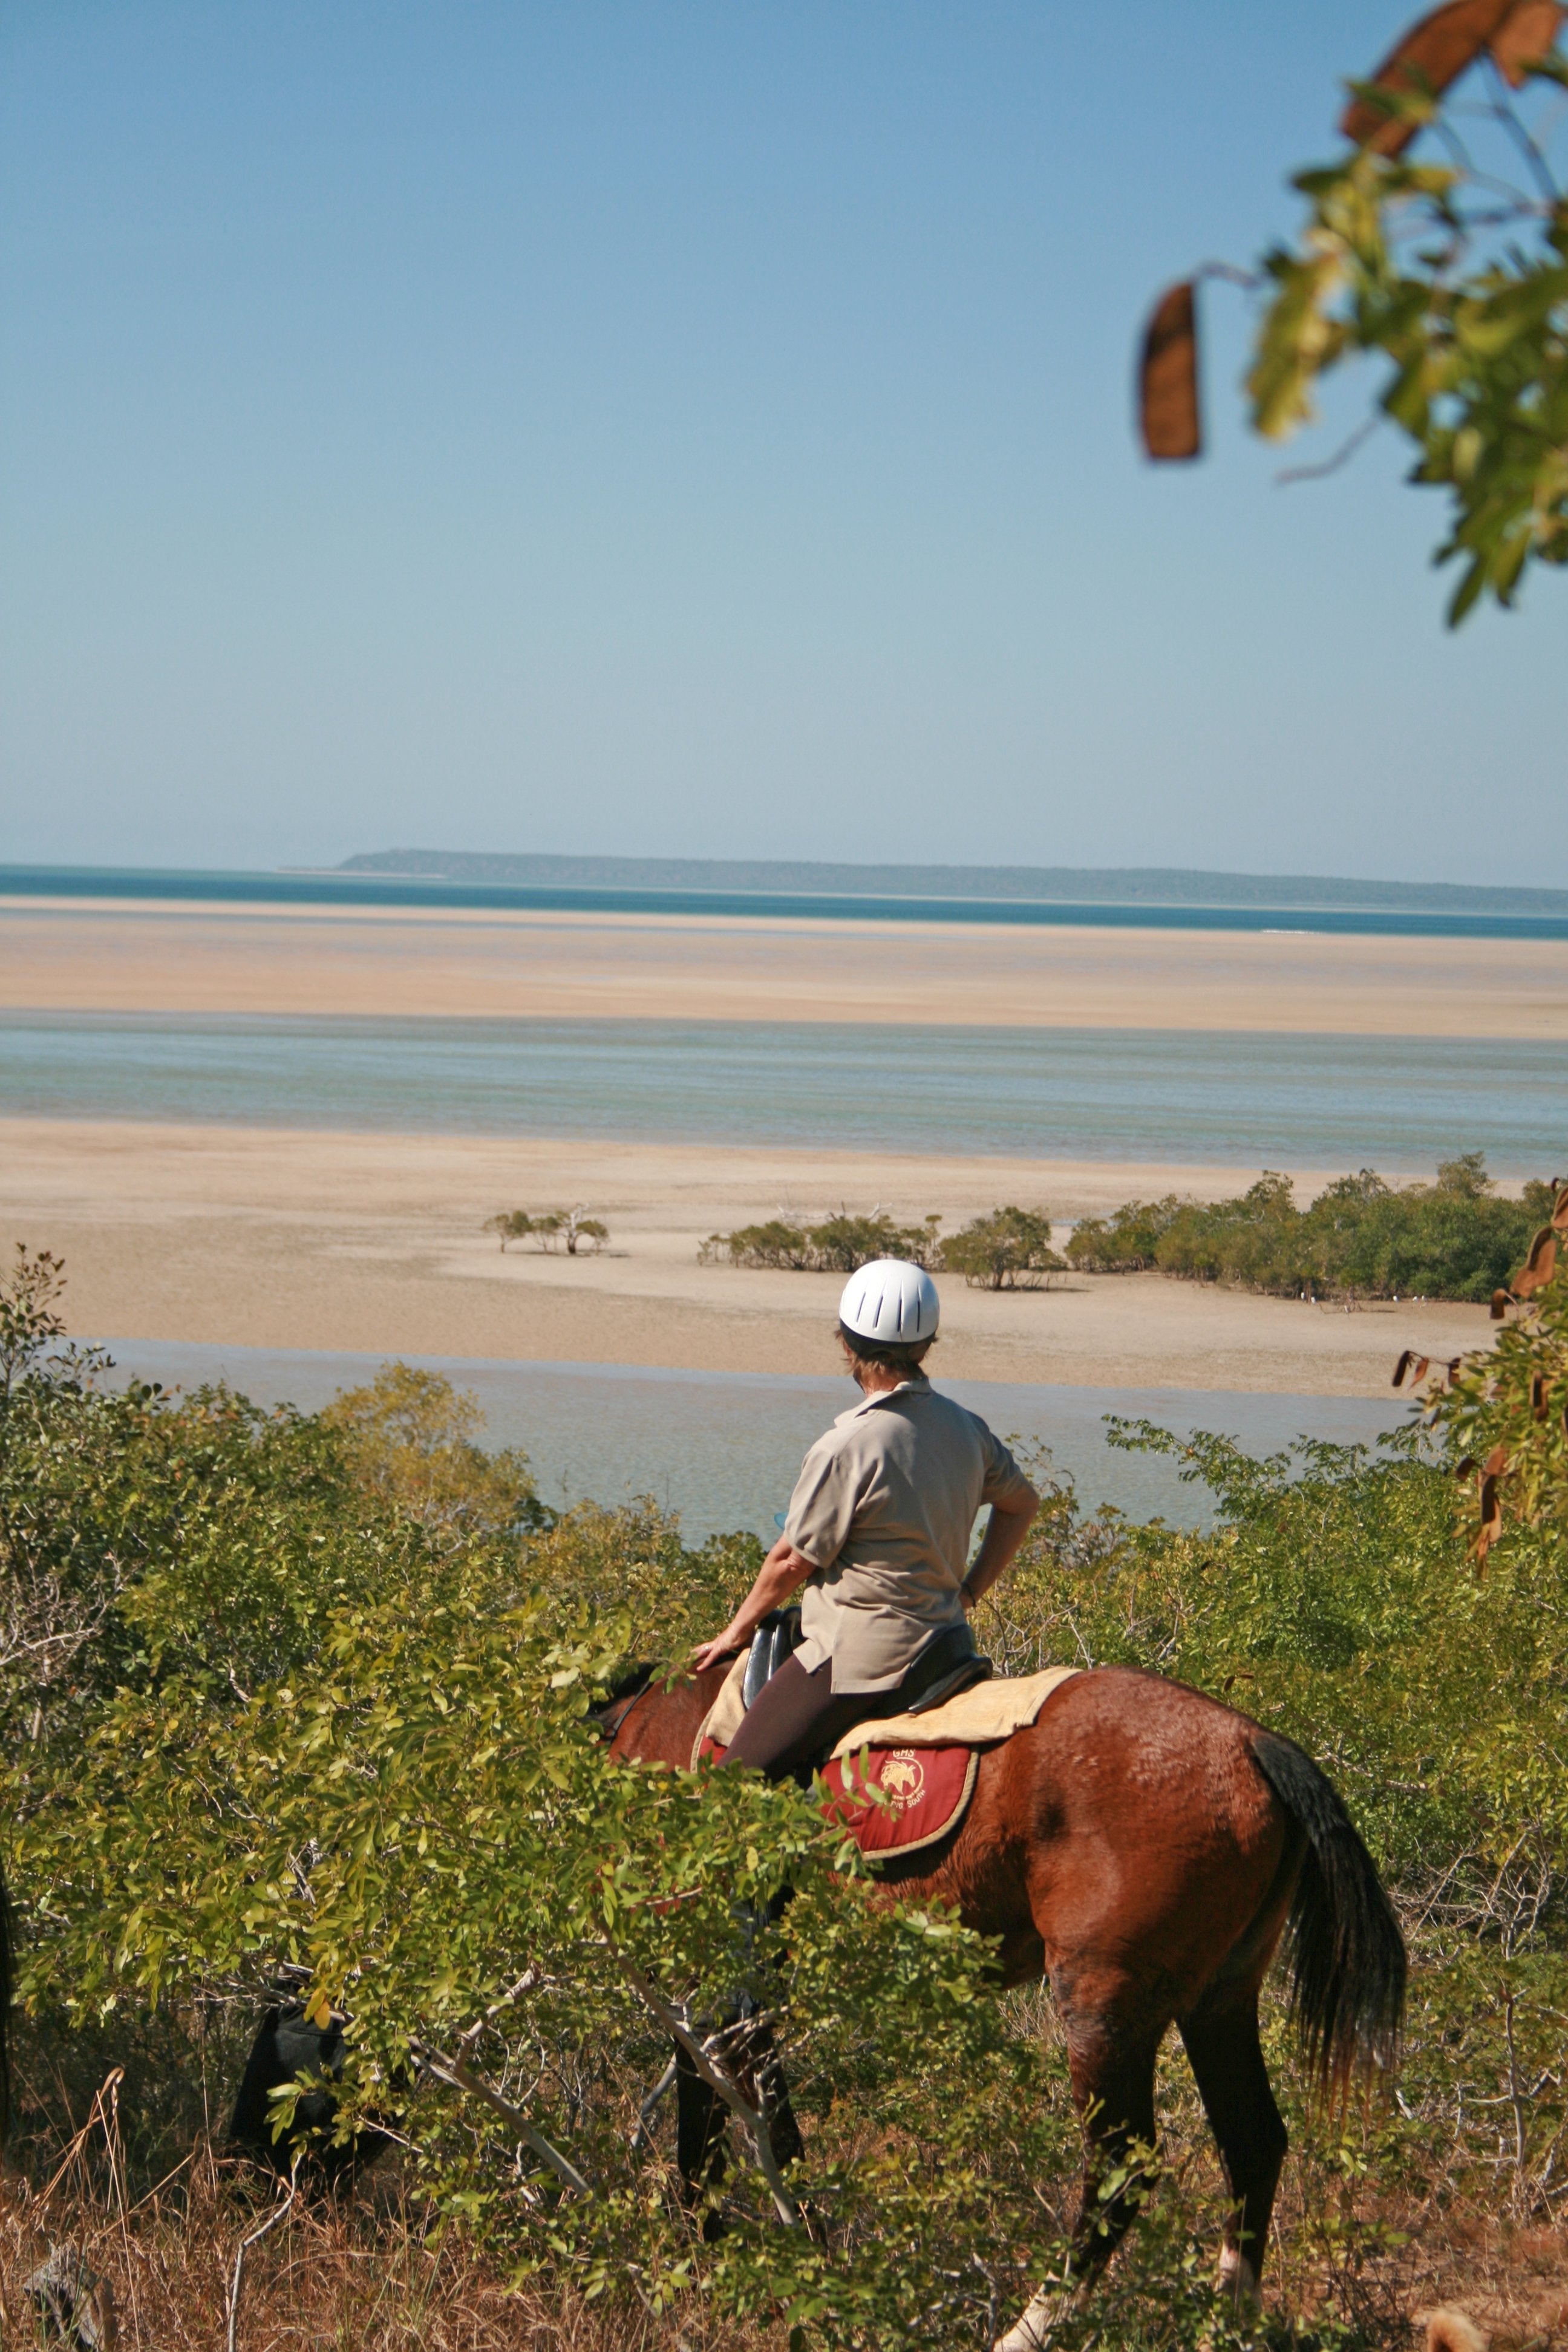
(1255, 1240)
(777, 1243)
(1009, 1250)
(839, 1245)
(571, 1226)
(511, 1225)
(1125, 1242)
(310, 1692)
(1451, 1239)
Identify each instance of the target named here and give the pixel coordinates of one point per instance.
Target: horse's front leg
(700, 2153)
(746, 2049)
(760, 2073)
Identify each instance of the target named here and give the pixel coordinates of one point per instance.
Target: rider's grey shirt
(884, 1509)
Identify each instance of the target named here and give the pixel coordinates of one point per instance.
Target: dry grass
(365, 2275)
(362, 2275)
(100, 2169)
(370, 2274)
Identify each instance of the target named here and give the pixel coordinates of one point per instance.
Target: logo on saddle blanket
(904, 1798)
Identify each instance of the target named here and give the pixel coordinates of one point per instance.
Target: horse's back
(1127, 1757)
(1129, 1828)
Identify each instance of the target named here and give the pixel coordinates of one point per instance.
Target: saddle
(955, 1661)
(902, 1782)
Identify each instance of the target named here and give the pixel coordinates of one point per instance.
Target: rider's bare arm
(997, 1547)
(784, 1571)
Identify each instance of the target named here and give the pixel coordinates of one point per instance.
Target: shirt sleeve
(823, 1507)
(1004, 1482)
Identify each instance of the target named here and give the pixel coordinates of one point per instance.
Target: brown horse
(1144, 1848)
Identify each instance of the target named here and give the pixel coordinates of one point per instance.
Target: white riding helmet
(891, 1301)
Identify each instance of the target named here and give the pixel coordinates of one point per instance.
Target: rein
(607, 1726)
(607, 1720)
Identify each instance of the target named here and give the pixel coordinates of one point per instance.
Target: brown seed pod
(1168, 378)
(1560, 1214)
(1540, 1266)
(1538, 1395)
(1491, 1526)
(1525, 36)
(1433, 54)
(1500, 1302)
(1496, 1462)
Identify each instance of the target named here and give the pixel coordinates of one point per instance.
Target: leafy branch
(1454, 275)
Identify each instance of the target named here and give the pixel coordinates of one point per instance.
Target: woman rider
(877, 1531)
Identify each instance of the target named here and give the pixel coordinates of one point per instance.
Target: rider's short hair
(902, 1356)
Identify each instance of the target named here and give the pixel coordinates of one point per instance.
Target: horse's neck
(662, 1728)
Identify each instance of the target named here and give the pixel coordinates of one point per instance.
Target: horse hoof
(1238, 2283)
(1034, 2330)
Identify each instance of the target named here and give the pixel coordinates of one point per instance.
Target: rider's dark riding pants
(798, 1718)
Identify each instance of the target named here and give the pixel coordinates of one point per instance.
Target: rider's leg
(798, 1716)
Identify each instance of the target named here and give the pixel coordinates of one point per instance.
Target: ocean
(1238, 1099)
(382, 890)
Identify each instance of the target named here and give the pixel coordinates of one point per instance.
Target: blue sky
(684, 426)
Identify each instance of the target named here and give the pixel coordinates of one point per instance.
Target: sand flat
(258, 1237)
(174, 957)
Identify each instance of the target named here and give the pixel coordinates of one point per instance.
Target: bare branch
(1342, 457)
(1503, 112)
(525, 1983)
(716, 2079)
(460, 2076)
(243, 2249)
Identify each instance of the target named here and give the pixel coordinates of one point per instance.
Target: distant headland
(1119, 886)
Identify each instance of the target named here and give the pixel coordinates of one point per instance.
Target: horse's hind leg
(1221, 2037)
(1112, 2061)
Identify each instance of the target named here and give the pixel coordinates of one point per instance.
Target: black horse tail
(1347, 1955)
(8, 1975)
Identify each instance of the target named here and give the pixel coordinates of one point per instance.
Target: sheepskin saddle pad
(904, 1781)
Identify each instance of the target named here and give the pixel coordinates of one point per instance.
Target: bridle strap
(608, 1726)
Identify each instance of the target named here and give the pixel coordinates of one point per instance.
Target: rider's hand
(713, 1654)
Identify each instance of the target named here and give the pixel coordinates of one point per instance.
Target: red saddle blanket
(905, 1798)
(921, 1794)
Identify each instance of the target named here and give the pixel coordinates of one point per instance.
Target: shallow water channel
(722, 1449)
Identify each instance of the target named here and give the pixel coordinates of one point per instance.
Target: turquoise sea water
(1398, 1103)
(366, 889)
(722, 1449)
